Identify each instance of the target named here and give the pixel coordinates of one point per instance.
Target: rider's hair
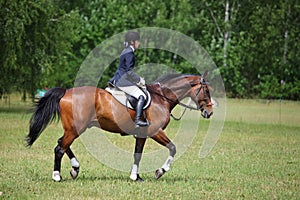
(131, 36)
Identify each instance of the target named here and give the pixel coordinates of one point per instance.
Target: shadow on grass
(147, 178)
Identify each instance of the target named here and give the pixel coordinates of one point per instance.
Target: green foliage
(44, 43)
(270, 87)
(37, 38)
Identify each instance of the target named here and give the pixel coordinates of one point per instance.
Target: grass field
(257, 157)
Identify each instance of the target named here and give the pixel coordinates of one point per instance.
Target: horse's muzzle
(206, 114)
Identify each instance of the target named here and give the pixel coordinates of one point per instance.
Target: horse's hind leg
(74, 162)
(162, 139)
(58, 154)
(62, 147)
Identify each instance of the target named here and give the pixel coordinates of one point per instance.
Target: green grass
(264, 111)
(257, 157)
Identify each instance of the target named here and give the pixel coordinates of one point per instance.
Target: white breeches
(133, 91)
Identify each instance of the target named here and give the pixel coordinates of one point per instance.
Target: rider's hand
(142, 83)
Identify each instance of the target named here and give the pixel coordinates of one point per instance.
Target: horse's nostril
(210, 114)
(205, 114)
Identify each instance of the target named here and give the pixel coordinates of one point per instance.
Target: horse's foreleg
(166, 166)
(139, 146)
(74, 162)
(172, 150)
(162, 139)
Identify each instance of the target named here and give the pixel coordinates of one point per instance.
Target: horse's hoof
(159, 173)
(74, 172)
(136, 177)
(56, 176)
(139, 179)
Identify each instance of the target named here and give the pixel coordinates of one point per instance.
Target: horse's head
(176, 87)
(201, 96)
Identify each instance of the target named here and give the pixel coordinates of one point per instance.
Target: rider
(126, 79)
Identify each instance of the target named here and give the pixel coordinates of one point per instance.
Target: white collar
(132, 48)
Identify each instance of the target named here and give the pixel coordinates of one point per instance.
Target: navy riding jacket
(125, 76)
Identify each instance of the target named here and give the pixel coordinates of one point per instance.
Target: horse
(83, 107)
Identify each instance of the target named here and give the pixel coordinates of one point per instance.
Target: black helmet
(132, 36)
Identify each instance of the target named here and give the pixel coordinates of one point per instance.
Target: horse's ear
(205, 75)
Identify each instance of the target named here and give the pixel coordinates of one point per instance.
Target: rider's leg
(139, 112)
(137, 93)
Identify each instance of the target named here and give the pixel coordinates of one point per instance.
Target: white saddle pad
(121, 97)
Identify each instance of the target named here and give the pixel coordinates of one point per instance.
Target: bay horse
(80, 108)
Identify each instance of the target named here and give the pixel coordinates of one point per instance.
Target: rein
(179, 118)
(178, 102)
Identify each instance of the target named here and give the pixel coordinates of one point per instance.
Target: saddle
(127, 100)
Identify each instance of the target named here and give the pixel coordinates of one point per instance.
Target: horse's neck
(179, 90)
(171, 92)
(175, 94)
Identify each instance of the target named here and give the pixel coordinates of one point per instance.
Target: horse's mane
(166, 78)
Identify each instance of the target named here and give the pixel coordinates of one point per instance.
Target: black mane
(166, 78)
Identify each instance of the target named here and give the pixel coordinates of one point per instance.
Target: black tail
(47, 109)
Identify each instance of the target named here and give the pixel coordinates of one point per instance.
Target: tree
(35, 38)
(253, 43)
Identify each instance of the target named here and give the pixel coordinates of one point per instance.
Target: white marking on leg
(134, 172)
(167, 164)
(56, 176)
(74, 162)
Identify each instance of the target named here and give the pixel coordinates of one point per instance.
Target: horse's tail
(47, 109)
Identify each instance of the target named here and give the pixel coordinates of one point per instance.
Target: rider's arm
(129, 63)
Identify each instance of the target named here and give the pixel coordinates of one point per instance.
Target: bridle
(199, 107)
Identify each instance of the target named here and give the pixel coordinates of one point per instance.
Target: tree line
(255, 44)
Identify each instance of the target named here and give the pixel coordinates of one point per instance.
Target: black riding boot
(139, 112)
